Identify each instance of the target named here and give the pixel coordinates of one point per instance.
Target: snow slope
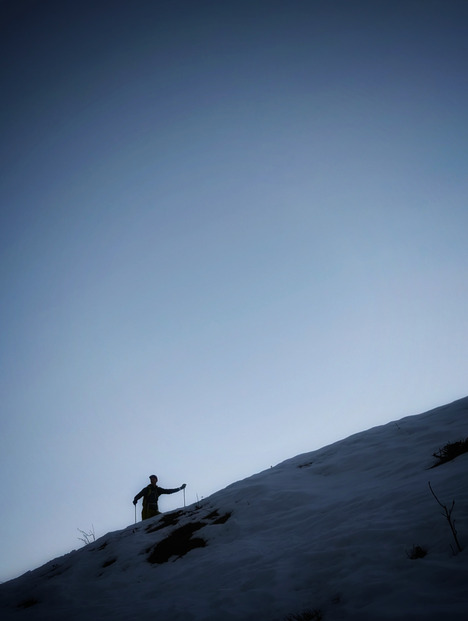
(330, 532)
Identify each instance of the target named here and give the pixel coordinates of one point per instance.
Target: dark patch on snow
(56, 570)
(307, 615)
(109, 562)
(215, 518)
(222, 519)
(27, 603)
(169, 519)
(178, 543)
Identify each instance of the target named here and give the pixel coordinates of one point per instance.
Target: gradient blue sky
(230, 233)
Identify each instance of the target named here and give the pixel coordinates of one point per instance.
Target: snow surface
(329, 531)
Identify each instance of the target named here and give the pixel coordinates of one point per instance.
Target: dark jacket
(151, 494)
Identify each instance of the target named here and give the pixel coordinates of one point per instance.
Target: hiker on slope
(150, 495)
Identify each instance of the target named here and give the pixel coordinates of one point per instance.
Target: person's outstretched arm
(172, 491)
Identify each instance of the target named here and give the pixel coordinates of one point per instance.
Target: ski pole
(184, 497)
(135, 514)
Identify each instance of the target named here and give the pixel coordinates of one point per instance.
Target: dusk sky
(230, 233)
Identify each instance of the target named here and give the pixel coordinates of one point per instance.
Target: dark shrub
(450, 451)
(416, 552)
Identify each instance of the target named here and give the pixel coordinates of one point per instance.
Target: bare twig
(448, 514)
(87, 537)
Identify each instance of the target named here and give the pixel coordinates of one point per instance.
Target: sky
(347, 531)
(230, 233)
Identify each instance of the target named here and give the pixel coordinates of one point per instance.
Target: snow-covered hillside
(326, 535)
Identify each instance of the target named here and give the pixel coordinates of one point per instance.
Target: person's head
(153, 479)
